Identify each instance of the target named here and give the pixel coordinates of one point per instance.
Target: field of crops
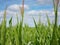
(40, 34)
(24, 35)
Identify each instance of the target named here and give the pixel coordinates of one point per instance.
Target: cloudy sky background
(33, 8)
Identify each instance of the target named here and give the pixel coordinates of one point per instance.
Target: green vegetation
(55, 36)
(40, 34)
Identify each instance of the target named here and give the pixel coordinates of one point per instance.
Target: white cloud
(8, 12)
(25, 6)
(42, 12)
(1, 13)
(16, 7)
(30, 13)
(37, 12)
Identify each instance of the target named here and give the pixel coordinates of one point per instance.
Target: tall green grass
(3, 30)
(54, 40)
(40, 34)
(21, 23)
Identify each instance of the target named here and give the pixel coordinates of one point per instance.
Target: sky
(33, 8)
(34, 4)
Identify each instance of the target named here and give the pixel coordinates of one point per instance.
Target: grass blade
(3, 30)
(37, 33)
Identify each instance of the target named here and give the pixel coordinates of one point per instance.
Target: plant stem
(54, 40)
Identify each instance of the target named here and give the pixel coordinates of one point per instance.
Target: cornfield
(40, 34)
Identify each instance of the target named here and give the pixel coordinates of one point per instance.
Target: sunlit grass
(54, 40)
(40, 34)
